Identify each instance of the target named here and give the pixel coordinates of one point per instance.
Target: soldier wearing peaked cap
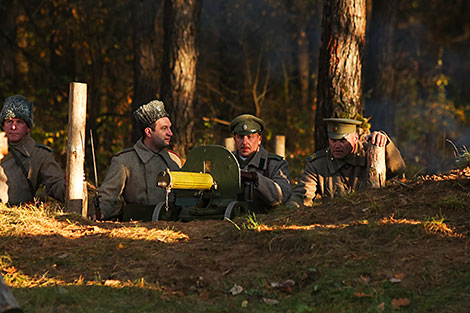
(28, 163)
(265, 176)
(132, 174)
(342, 167)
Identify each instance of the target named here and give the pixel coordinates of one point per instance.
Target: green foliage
(249, 62)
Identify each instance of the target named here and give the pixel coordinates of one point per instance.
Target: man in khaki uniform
(133, 172)
(27, 164)
(342, 167)
(265, 176)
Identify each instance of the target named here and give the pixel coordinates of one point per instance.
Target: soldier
(133, 171)
(342, 167)
(27, 164)
(265, 176)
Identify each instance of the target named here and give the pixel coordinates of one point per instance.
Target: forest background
(259, 57)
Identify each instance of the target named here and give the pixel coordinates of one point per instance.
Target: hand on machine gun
(248, 177)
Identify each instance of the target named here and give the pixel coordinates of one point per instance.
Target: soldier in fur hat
(27, 164)
(132, 174)
(342, 167)
(265, 176)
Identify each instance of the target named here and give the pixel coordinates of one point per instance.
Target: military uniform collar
(355, 159)
(25, 146)
(259, 159)
(145, 154)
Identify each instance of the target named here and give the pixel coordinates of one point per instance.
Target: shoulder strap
(23, 169)
(124, 151)
(40, 145)
(275, 156)
(317, 155)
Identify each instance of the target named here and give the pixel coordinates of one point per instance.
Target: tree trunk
(181, 23)
(145, 63)
(8, 15)
(340, 63)
(380, 74)
(303, 59)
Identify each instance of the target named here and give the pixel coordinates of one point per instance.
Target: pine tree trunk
(8, 15)
(145, 63)
(181, 23)
(340, 63)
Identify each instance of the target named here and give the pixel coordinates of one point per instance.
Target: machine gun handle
(248, 176)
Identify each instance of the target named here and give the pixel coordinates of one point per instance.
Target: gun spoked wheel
(161, 214)
(235, 209)
(157, 212)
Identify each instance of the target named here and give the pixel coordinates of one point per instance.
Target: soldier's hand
(378, 139)
(292, 205)
(248, 176)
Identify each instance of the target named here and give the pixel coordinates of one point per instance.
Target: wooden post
(376, 170)
(280, 145)
(8, 303)
(75, 198)
(3, 145)
(230, 143)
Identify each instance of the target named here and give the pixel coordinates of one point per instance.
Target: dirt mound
(414, 229)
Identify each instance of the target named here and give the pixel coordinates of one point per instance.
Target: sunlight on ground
(431, 226)
(30, 220)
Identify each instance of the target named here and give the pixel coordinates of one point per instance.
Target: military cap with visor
(338, 128)
(246, 124)
(148, 113)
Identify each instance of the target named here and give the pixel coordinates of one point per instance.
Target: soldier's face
(341, 148)
(15, 129)
(161, 136)
(247, 144)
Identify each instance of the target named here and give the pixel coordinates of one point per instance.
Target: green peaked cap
(338, 128)
(246, 124)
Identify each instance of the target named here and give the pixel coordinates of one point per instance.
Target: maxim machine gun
(206, 187)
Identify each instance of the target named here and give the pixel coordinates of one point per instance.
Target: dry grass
(409, 240)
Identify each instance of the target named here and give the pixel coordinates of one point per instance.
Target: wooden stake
(75, 197)
(280, 142)
(376, 170)
(230, 144)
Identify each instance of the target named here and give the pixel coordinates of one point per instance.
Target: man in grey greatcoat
(132, 174)
(28, 163)
(265, 176)
(342, 167)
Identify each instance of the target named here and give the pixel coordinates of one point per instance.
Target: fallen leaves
(397, 278)
(285, 286)
(400, 302)
(121, 246)
(236, 290)
(365, 279)
(361, 294)
(270, 301)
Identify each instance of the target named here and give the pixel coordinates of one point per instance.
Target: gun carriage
(207, 187)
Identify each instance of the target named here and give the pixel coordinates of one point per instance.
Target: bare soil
(415, 231)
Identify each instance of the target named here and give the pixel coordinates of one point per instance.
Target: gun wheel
(160, 213)
(234, 209)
